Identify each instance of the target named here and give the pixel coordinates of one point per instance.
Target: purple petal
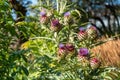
(83, 51)
(55, 22)
(67, 14)
(42, 13)
(61, 45)
(82, 29)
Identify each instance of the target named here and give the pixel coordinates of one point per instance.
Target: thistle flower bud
(70, 48)
(83, 55)
(67, 18)
(82, 34)
(67, 14)
(81, 58)
(92, 32)
(61, 51)
(94, 63)
(55, 25)
(43, 13)
(43, 17)
(66, 50)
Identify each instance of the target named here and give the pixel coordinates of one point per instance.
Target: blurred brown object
(108, 53)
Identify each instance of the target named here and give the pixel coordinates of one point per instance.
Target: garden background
(59, 40)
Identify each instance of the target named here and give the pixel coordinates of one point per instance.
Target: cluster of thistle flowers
(89, 33)
(55, 25)
(66, 51)
(47, 17)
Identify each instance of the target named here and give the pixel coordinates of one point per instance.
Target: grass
(108, 53)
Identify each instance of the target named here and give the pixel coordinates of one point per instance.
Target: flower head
(83, 52)
(95, 60)
(95, 63)
(82, 29)
(82, 35)
(68, 20)
(70, 47)
(43, 17)
(43, 13)
(55, 23)
(61, 46)
(92, 32)
(61, 51)
(67, 14)
(92, 27)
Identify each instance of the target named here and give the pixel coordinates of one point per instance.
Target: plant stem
(42, 38)
(56, 38)
(57, 1)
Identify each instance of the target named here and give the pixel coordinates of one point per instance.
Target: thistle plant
(55, 25)
(82, 34)
(92, 32)
(63, 48)
(43, 17)
(58, 47)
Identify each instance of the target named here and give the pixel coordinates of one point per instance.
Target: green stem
(68, 36)
(56, 38)
(57, 1)
(42, 38)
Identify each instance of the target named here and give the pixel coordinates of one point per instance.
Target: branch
(19, 8)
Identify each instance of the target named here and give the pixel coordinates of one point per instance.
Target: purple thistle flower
(82, 29)
(67, 14)
(82, 35)
(61, 50)
(92, 32)
(83, 52)
(43, 13)
(55, 23)
(43, 18)
(61, 46)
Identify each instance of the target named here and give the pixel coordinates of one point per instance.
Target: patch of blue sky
(34, 1)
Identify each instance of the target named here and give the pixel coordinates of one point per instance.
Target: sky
(34, 1)
(117, 2)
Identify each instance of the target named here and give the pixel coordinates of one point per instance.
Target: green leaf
(24, 58)
(10, 78)
(107, 78)
(13, 74)
(25, 70)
